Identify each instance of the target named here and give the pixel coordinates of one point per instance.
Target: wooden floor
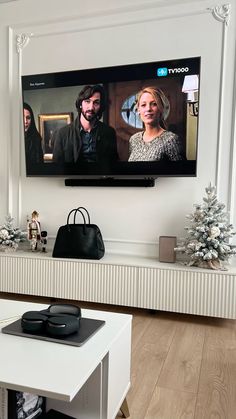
(183, 367)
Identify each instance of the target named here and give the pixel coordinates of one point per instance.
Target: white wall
(77, 34)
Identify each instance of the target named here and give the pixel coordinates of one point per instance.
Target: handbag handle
(84, 209)
(75, 210)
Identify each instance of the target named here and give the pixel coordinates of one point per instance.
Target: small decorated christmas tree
(207, 243)
(10, 237)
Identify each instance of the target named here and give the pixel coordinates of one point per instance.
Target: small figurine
(34, 230)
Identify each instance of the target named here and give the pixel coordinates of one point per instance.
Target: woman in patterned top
(155, 142)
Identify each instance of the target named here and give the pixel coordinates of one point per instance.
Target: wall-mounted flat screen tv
(128, 121)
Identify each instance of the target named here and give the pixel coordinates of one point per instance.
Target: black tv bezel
(121, 169)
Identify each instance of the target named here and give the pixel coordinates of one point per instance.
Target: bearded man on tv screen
(87, 139)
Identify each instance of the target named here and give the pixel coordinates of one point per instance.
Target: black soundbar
(147, 182)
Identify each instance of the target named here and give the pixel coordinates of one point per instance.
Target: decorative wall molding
(115, 246)
(120, 16)
(22, 39)
(232, 186)
(221, 13)
(17, 43)
(115, 16)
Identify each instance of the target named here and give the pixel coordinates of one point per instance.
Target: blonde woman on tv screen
(155, 142)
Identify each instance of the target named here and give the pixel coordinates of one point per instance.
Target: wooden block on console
(166, 248)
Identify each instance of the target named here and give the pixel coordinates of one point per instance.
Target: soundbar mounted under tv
(89, 125)
(147, 182)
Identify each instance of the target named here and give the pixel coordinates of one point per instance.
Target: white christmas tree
(207, 242)
(10, 237)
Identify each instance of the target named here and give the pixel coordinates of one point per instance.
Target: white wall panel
(70, 35)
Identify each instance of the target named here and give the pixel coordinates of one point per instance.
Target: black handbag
(79, 241)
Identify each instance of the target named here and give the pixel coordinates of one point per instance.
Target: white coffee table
(87, 382)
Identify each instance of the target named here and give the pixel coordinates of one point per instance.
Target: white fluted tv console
(122, 280)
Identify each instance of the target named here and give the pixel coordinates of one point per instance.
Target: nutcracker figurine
(34, 230)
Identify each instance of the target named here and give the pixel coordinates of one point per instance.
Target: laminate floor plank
(139, 326)
(171, 404)
(181, 369)
(217, 386)
(147, 361)
(222, 329)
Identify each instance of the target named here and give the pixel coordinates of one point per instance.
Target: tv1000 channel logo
(164, 71)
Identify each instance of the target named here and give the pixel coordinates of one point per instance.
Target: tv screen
(128, 121)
